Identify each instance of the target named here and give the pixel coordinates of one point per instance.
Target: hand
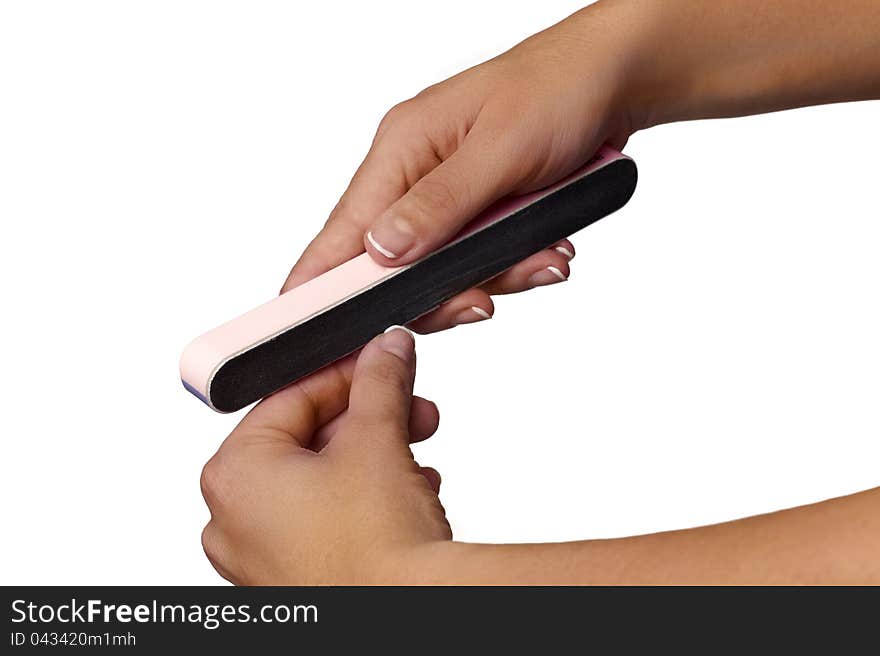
(511, 125)
(317, 484)
(529, 116)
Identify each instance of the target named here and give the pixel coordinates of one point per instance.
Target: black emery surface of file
(342, 329)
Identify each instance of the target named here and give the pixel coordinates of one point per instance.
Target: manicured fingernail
(564, 251)
(379, 247)
(403, 328)
(471, 315)
(393, 238)
(546, 277)
(399, 341)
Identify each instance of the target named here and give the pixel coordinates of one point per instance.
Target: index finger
(292, 415)
(378, 182)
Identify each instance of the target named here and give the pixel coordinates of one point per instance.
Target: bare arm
(527, 117)
(317, 484)
(720, 59)
(837, 541)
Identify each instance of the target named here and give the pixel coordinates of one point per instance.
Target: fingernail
(564, 251)
(546, 276)
(393, 238)
(379, 247)
(471, 315)
(399, 341)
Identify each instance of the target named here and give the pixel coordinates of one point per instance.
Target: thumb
(443, 201)
(381, 388)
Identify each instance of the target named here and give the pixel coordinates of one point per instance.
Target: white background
(162, 164)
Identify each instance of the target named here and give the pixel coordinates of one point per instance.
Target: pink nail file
(336, 313)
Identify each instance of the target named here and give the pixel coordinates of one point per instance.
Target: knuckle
(394, 116)
(428, 200)
(207, 480)
(561, 263)
(340, 230)
(214, 478)
(383, 423)
(211, 542)
(218, 553)
(386, 418)
(437, 195)
(338, 210)
(431, 90)
(389, 373)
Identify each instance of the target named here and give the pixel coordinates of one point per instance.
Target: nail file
(336, 313)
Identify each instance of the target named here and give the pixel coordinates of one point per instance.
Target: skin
(318, 485)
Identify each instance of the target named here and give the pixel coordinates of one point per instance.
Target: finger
(337, 242)
(424, 419)
(476, 304)
(381, 179)
(378, 182)
(215, 551)
(381, 391)
(565, 248)
(437, 206)
(295, 413)
(518, 277)
(546, 267)
(432, 476)
(322, 437)
(375, 186)
(468, 307)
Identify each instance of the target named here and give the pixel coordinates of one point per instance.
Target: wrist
(431, 563)
(685, 60)
(659, 64)
(642, 57)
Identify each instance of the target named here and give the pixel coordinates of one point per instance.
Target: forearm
(685, 59)
(837, 541)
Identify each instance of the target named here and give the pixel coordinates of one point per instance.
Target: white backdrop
(162, 164)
